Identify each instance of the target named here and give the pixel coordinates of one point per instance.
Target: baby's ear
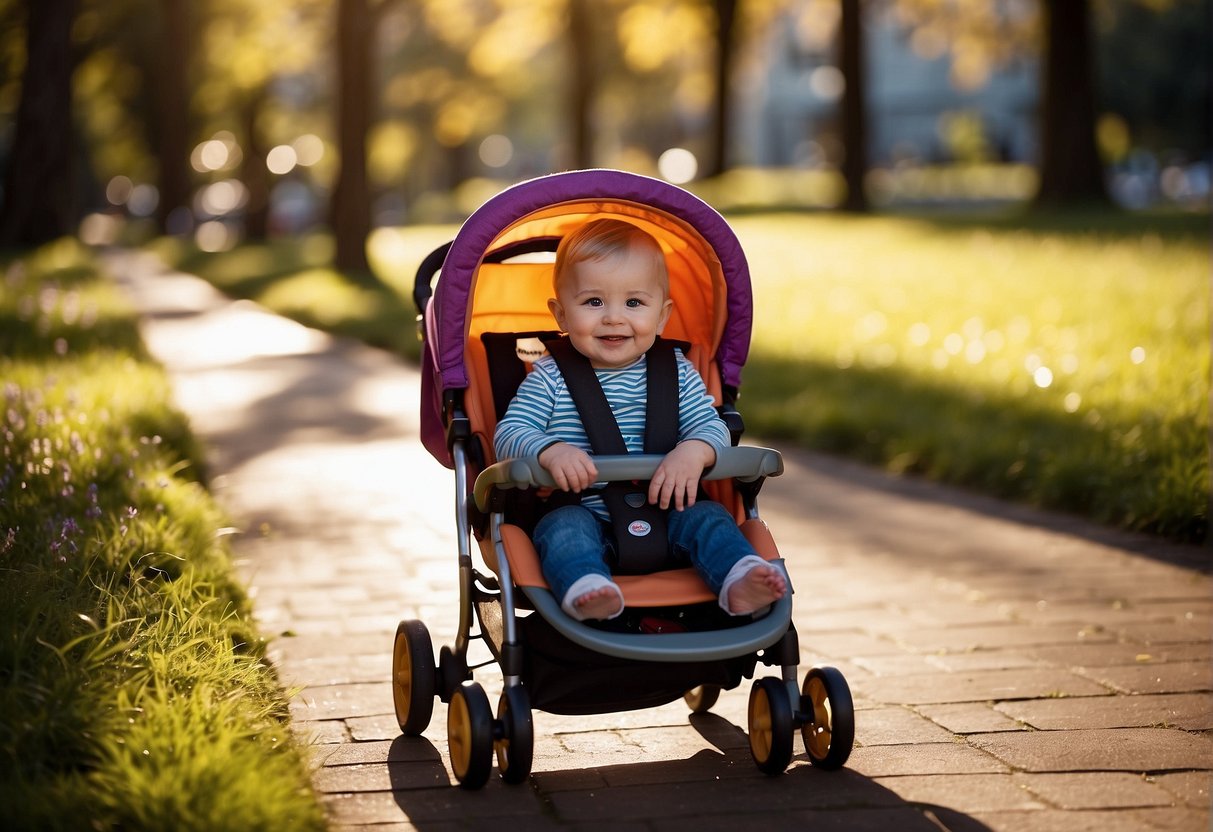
(666, 308)
(557, 312)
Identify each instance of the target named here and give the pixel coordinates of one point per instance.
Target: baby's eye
(633, 303)
(593, 302)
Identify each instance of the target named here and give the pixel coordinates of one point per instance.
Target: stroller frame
(822, 710)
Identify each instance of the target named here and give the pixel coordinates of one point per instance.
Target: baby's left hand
(676, 479)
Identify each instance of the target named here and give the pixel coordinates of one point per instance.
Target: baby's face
(613, 309)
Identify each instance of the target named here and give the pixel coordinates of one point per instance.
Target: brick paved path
(1011, 670)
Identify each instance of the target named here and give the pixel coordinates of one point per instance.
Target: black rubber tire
(469, 731)
(413, 677)
(701, 699)
(829, 735)
(770, 725)
(514, 741)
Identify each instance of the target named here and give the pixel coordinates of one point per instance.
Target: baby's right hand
(570, 466)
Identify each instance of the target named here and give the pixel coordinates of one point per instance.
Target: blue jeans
(572, 541)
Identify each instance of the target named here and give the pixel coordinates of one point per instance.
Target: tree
(581, 83)
(38, 186)
(854, 107)
(1070, 168)
(726, 26)
(172, 110)
(350, 210)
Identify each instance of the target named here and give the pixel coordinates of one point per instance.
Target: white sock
(588, 583)
(739, 571)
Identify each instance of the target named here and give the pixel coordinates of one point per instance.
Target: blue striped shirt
(543, 412)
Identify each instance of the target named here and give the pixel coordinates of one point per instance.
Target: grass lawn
(1058, 360)
(133, 691)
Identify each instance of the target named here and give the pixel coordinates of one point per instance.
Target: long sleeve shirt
(543, 413)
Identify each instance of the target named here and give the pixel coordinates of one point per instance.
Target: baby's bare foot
(598, 603)
(760, 586)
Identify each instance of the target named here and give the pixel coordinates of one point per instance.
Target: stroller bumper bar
(746, 463)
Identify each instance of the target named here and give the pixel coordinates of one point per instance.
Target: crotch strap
(641, 541)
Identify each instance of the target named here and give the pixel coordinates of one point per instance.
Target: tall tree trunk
(854, 107)
(1070, 168)
(726, 20)
(38, 197)
(172, 100)
(350, 209)
(253, 171)
(581, 83)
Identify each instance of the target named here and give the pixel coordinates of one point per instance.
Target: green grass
(133, 690)
(1061, 360)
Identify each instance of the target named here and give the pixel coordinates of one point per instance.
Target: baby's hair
(601, 239)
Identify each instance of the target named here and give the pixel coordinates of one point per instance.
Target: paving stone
(1102, 790)
(1117, 749)
(896, 664)
(926, 758)
(1191, 787)
(320, 732)
(1175, 817)
(402, 749)
(1116, 654)
(976, 792)
(1155, 634)
(342, 701)
(897, 726)
(498, 803)
(392, 776)
(969, 718)
(900, 818)
(958, 639)
(982, 660)
(801, 788)
(381, 727)
(980, 686)
(1178, 677)
(1191, 712)
(846, 644)
(1056, 820)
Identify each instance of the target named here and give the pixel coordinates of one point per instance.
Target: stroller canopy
(709, 278)
(490, 280)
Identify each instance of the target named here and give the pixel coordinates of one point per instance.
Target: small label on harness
(639, 528)
(529, 350)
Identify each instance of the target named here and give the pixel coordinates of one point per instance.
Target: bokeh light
(677, 165)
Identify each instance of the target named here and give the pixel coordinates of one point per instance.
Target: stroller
(483, 322)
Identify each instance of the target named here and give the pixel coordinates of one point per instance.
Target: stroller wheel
(516, 743)
(469, 732)
(826, 700)
(771, 727)
(701, 699)
(413, 677)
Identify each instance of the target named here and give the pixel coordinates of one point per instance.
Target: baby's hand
(677, 477)
(571, 467)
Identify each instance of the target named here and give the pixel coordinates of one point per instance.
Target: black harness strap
(641, 541)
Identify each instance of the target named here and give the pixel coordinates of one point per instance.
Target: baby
(612, 299)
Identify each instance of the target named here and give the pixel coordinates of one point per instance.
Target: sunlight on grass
(321, 295)
(1084, 358)
(134, 689)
